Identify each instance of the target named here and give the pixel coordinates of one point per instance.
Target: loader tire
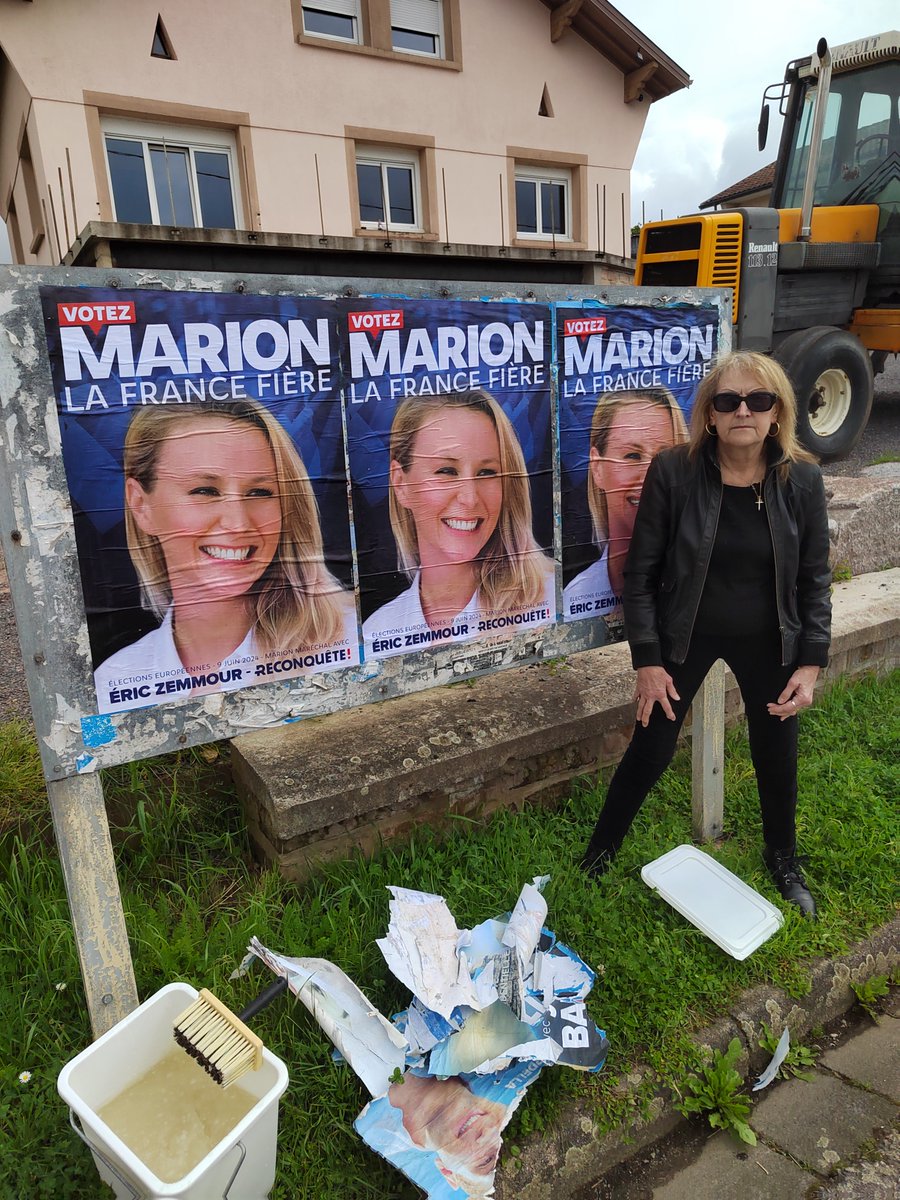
(834, 385)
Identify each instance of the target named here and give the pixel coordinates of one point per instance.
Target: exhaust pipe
(815, 141)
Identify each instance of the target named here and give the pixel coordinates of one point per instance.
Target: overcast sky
(702, 139)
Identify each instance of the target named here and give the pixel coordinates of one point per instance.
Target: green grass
(193, 897)
(22, 792)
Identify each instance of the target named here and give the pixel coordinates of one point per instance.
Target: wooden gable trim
(611, 34)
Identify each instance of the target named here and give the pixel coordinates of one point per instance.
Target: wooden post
(95, 903)
(708, 751)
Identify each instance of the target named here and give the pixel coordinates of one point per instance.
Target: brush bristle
(219, 1041)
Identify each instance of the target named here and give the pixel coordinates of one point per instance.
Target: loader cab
(862, 131)
(859, 152)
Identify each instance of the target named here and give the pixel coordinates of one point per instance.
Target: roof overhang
(622, 43)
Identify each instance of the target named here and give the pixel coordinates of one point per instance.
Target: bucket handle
(243, 1149)
(110, 1166)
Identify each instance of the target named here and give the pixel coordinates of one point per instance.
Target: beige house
(401, 138)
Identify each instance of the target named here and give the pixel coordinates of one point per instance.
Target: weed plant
(714, 1091)
(193, 897)
(869, 992)
(797, 1062)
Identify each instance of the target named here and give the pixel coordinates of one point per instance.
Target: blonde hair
(511, 568)
(608, 407)
(297, 601)
(772, 378)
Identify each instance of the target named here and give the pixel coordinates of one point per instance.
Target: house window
(543, 203)
(416, 26)
(163, 176)
(162, 46)
(405, 29)
(388, 185)
(332, 19)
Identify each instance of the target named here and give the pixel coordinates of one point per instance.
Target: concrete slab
(873, 1178)
(823, 1122)
(727, 1167)
(872, 1058)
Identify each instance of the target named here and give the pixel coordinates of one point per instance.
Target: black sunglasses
(729, 402)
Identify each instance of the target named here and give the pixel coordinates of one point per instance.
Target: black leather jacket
(673, 539)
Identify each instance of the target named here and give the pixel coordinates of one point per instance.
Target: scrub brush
(220, 1041)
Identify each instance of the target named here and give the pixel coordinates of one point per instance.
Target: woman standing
(729, 559)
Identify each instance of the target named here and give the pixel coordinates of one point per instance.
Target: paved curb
(559, 1163)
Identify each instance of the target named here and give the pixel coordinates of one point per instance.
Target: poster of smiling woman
(202, 442)
(627, 378)
(450, 448)
(445, 1134)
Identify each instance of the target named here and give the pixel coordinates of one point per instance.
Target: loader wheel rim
(830, 402)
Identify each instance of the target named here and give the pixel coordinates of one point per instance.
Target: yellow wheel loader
(816, 276)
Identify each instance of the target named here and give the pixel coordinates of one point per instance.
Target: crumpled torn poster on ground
(445, 1134)
(373, 1047)
(491, 1007)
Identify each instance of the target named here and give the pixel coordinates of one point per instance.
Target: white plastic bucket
(240, 1167)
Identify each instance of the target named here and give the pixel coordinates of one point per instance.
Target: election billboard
(216, 445)
(627, 378)
(450, 445)
(203, 448)
(236, 503)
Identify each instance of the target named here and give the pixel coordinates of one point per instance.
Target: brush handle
(264, 998)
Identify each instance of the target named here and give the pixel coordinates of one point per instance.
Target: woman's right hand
(654, 686)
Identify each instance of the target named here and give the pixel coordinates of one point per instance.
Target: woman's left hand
(797, 694)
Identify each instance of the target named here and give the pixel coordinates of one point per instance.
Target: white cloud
(703, 138)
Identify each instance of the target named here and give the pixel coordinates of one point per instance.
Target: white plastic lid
(729, 911)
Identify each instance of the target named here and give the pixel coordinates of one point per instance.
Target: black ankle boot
(784, 867)
(597, 862)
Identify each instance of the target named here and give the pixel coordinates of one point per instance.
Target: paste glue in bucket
(240, 1167)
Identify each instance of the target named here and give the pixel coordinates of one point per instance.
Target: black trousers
(756, 664)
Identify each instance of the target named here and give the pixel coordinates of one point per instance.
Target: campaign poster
(203, 448)
(445, 1134)
(627, 379)
(449, 438)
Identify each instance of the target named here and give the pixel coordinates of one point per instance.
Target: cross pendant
(759, 503)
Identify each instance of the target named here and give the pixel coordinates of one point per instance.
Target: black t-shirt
(739, 592)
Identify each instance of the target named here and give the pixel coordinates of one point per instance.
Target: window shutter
(424, 16)
(341, 8)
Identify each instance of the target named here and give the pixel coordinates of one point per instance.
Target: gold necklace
(757, 492)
